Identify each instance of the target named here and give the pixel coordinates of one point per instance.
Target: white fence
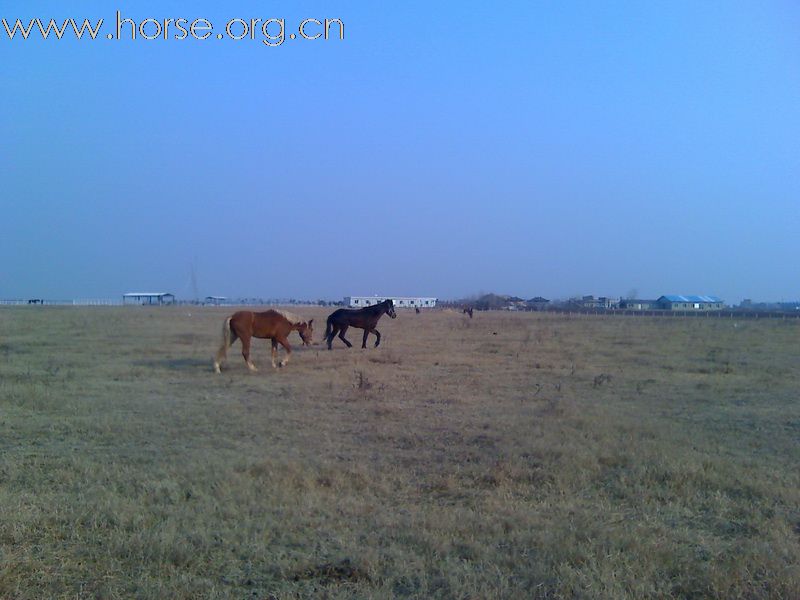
(96, 302)
(76, 302)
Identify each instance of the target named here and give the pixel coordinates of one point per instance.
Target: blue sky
(448, 148)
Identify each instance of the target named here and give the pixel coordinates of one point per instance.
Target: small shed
(148, 298)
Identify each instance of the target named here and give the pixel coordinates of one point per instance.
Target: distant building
(591, 302)
(148, 298)
(637, 304)
(496, 302)
(399, 301)
(603, 302)
(215, 300)
(538, 303)
(675, 302)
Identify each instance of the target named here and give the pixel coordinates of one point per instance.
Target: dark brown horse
(467, 311)
(275, 325)
(360, 318)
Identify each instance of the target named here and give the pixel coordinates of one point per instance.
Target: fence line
(710, 314)
(76, 302)
(120, 302)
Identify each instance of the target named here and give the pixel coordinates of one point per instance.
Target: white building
(399, 301)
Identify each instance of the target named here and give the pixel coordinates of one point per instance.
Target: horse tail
(226, 342)
(329, 326)
(226, 333)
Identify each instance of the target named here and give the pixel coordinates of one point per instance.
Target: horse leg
(377, 335)
(274, 352)
(222, 353)
(220, 357)
(285, 343)
(246, 353)
(228, 337)
(341, 336)
(364, 341)
(334, 331)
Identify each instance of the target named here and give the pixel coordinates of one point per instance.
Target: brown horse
(275, 325)
(360, 318)
(467, 311)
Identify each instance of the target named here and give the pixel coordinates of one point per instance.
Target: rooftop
(131, 294)
(677, 298)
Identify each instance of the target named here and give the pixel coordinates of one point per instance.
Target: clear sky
(441, 148)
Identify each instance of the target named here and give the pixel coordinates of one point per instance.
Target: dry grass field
(510, 456)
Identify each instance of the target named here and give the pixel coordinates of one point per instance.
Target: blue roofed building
(675, 302)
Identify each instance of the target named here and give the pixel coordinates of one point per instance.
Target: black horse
(361, 318)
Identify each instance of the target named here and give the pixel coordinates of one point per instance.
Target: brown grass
(508, 456)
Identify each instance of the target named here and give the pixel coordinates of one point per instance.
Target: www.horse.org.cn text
(271, 32)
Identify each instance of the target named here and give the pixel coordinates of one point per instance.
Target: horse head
(389, 309)
(306, 331)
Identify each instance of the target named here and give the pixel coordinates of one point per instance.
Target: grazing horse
(361, 318)
(293, 318)
(467, 311)
(275, 325)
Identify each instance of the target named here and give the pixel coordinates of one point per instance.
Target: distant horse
(275, 325)
(467, 311)
(361, 318)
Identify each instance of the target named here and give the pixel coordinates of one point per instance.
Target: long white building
(399, 301)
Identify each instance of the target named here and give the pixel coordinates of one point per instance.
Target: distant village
(666, 303)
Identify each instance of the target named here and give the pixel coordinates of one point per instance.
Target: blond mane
(291, 317)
